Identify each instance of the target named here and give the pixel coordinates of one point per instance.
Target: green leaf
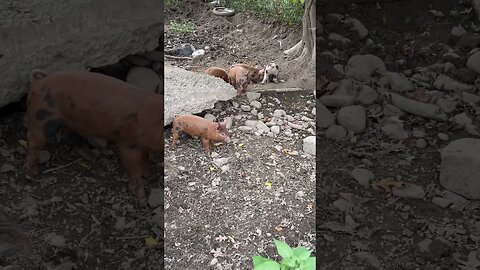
(309, 264)
(268, 265)
(290, 262)
(258, 260)
(301, 253)
(283, 249)
(284, 267)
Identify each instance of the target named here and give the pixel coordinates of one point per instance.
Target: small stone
(295, 126)
(309, 145)
(155, 198)
(394, 130)
(446, 105)
(245, 128)
(144, 78)
(343, 205)
(256, 104)
(279, 113)
(473, 62)
(442, 136)
(421, 143)
(353, 118)
(336, 132)
(262, 127)
(251, 123)
(412, 191)
(251, 96)
(441, 202)
(471, 99)
(367, 95)
(245, 108)
(210, 117)
(219, 162)
(275, 130)
(362, 176)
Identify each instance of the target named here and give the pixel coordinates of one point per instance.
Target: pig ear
(219, 126)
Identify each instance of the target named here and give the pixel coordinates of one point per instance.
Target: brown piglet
(203, 128)
(217, 72)
(93, 104)
(240, 78)
(255, 72)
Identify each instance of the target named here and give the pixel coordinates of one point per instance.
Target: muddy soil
(220, 212)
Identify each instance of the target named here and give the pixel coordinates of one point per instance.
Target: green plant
(170, 2)
(185, 27)
(288, 11)
(292, 259)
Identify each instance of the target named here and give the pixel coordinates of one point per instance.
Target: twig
(178, 57)
(132, 237)
(61, 167)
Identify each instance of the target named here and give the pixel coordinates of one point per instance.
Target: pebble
(251, 123)
(295, 126)
(367, 95)
(309, 145)
(209, 116)
(245, 128)
(256, 104)
(353, 118)
(155, 198)
(473, 62)
(279, 113)
(362, 176)
(219, 162)
(421, 143)
(275, 130)
(251, 96)
(245, 108)
(261, 127)
(336, 132)
(412, 191)
(442, 136)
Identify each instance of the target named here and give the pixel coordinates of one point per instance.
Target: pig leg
(35, 142)
(265, 77)
(206, 146)
(132, 158)
(175, 136)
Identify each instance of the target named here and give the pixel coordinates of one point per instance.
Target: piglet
(203, 128)
(255, 72)
(217, 72)
(270, 73)
(96, 105)
(240, 78)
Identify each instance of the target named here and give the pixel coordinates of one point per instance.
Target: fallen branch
(61, 167)
(418, 108)
(178, 57)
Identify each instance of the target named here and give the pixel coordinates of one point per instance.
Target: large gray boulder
(71, 34)
(188, 92)
(460, 167)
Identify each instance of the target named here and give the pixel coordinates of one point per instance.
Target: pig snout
(227, 139)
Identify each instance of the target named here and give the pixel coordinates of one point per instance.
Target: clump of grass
(171, 2)
(182, 27)
(288, 11)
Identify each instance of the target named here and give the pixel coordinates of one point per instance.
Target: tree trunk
(306, 46)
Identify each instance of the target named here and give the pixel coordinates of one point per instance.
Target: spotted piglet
(96, 105)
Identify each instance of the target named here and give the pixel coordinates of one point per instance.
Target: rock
(262, 127)
(411, 191)
(394, 130)
(245, 128)
(336, 132)
(367, 95)
(295, 126)
(74, 41)
(144, 78)
(185, 49)
(469, 41)
(198, 53)
(279, 113)
(444, 82)
(219, 162)
(256, 104)
(154, 56)
(209, 116)
(180, 83)
(391, 110)
(251, 123)
(362, 176)
(345, 87)
(442, 136)
(421, 143)
(465, 75)
(251, 96)
(446, 105)
(343, 205)
(456, 33)
(309, 145)
(471, 99)
(337, 100)
(362, 67)
(442, 202)
(473, 62)
(245, 108)
(155, 198)
(353, 118)
(138, 61)
(339, 40)
(275, 130)
(355, 25)
(324, 117)
(396, 81)
(459, 168)
(418, 108)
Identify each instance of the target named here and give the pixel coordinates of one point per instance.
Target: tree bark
(306, 46)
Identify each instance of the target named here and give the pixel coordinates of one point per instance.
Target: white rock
(262, 127)
(362, 67)
(353, 118)
(245, 108)
(251, 96)
(473, 62)
(355, 25)
(245, 128)
(396, 81)
(210, 117)
(279, 113)
(459, 168)
(362, 176)
(198, 53)
(309, 145)
(275, 130)
(256, 104)
(219, 162)
(251, 123)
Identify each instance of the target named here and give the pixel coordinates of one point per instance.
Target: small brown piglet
(240, 78)
(93, 104)
(217, 72)
(203, 128)
(255, 72)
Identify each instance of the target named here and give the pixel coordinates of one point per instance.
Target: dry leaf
(386, 184)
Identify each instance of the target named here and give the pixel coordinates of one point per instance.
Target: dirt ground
(391, 230)
(218, 217)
